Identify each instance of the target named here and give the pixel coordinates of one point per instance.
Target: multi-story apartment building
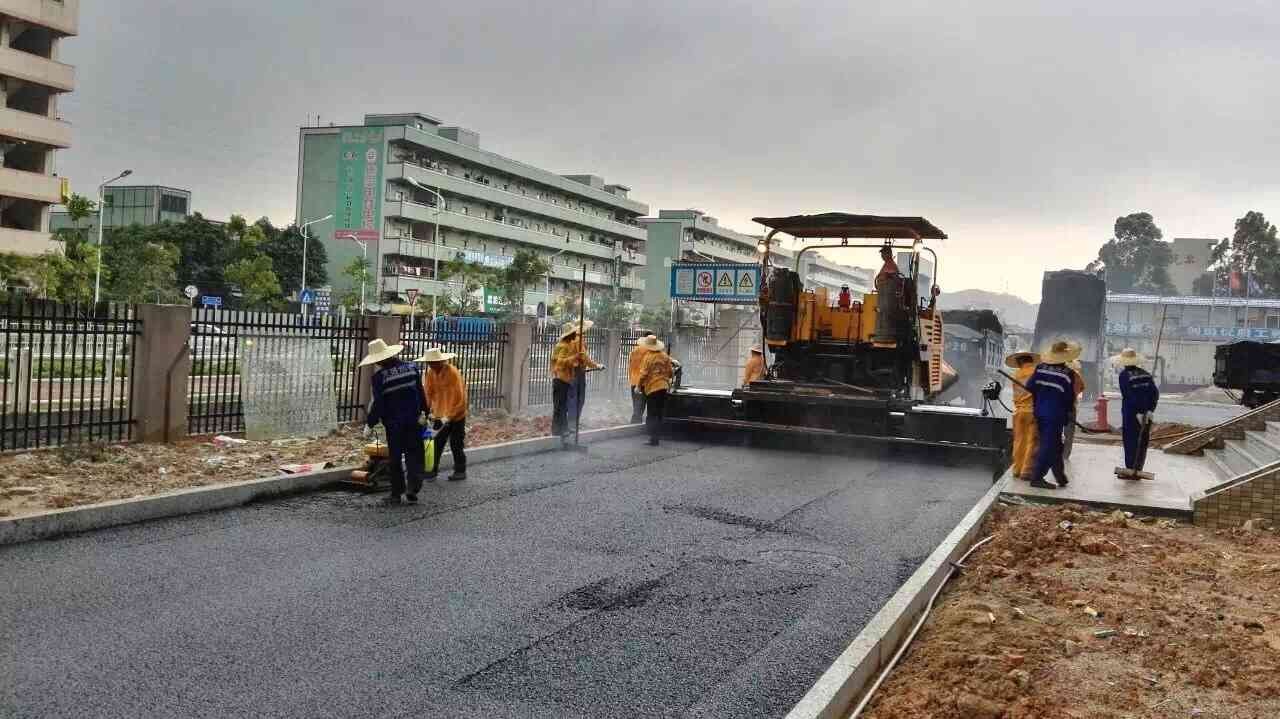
(420, 194)
(691, 235)
(31, 79)
(124, 205)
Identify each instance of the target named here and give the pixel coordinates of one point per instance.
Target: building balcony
(454, 185)
(574, 274)
(30, 186)
(35, 128)
(36, 69)
(723, 254)
(25, 242)
(61, 15)
(502, 230)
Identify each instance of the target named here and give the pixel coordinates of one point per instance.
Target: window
(173, 203)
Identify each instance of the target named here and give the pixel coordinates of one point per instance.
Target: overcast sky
(1022, 129)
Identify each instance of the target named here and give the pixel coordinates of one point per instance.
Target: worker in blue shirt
(1138, 399)
(398, 403)
(1053, 391)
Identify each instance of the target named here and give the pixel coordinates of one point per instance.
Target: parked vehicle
(461, 329)
(1249, 367)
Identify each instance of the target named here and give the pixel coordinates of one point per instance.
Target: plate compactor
(857, 371)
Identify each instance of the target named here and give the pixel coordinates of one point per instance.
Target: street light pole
(364, 257)
(97, 277)
(302, 306)
(435, 240)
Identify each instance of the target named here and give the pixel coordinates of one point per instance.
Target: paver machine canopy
(861, 368)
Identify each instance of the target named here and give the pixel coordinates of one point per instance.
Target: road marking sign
(191, 291)
(211, 301)
(412, 295)
(307, 297)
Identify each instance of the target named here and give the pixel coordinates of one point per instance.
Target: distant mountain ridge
(1011, 309)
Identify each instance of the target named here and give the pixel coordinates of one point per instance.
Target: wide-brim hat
(1128, 357)
(1060, 352)
(651, 343)
(435, 354)
(380, 351)
(1075, 365)
(571, 328)
(1014, 360)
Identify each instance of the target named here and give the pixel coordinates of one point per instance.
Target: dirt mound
(1070, 613)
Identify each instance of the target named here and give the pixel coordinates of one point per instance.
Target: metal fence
(627, 343)
(538, 365)
(481, 352)
(68, 373)
(215, 403)
(711, 356)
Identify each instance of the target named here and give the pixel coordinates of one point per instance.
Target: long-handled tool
(1079, 426)
(1144, 434)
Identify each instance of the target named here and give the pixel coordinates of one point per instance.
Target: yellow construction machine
(865, 371)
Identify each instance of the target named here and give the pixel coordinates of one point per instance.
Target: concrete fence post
(515, 365)
(388, 330)
(20, 379)
(162, 369)
(614, 361)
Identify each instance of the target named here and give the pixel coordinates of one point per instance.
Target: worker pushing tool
(1138, 399)
(633, 377)
(446, 397)
(656, 372)
(1024, 416)
(1077, 382)
(569, 365)
(1053, 392)
(397, 402)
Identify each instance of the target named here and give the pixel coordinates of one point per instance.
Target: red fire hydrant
(1101, 408)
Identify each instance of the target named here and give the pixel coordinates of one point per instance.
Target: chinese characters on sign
(1194, 332)
(359, 185)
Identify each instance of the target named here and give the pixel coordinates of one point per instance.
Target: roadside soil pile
(1068, 613)
(89, 473)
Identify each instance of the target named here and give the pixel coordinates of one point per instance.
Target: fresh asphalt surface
(691, 580)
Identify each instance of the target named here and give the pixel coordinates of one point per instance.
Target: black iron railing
(481, 355)
(67, 373)
(215, 403)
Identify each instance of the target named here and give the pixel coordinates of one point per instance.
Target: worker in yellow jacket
(569, 365)
(446, 395)
(755, 367)
(1024, 417)
(633, 377)
(656, 372)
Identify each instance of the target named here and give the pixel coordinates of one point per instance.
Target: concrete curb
(48, 525)
(835, 692)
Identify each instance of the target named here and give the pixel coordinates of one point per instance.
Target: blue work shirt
(1053, 391)
(397, 395)
(1138, 391)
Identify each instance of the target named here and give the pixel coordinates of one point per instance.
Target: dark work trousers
(1134, 439)
(655, 401)
(567, 399)
(1049, 453)
(455, 433)
(405, 454)
(638, 402)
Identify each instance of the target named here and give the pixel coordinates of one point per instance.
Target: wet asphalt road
(695, 580)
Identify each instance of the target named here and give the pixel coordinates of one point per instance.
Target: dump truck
(866, 372)
(1251, 368)
(1073, 307)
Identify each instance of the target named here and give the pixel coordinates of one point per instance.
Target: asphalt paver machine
(863, 372)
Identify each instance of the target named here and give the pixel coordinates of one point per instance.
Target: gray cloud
(1022, 128)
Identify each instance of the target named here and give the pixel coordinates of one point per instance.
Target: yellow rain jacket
(1024, 424)
(754, 369)
(567, 356)
(655, 372)
(633, 365)
(446, 392)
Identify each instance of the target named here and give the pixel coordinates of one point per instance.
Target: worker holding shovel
(1138, 399)
(397, 403)
(569, 365)
(445, 393)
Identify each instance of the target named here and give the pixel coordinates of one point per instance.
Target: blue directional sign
(211, 301)
(307, 297)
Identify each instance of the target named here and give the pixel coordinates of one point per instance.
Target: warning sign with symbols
(725, 282)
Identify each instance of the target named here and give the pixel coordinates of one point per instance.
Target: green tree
(79, 208)
(284, 247)
(655, 319)
(358, 275)
(1252, 253)
(1135, 259)
(526, 268)
(464, 281)
(136, 268)
(204, 251)
(258, 285)
(611, 312)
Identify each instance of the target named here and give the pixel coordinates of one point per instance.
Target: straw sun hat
(651, 343)
(435, 354)
(1060, 352)
(1128, 357)
(380, 351)
(570, 328)
(1015, 360)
